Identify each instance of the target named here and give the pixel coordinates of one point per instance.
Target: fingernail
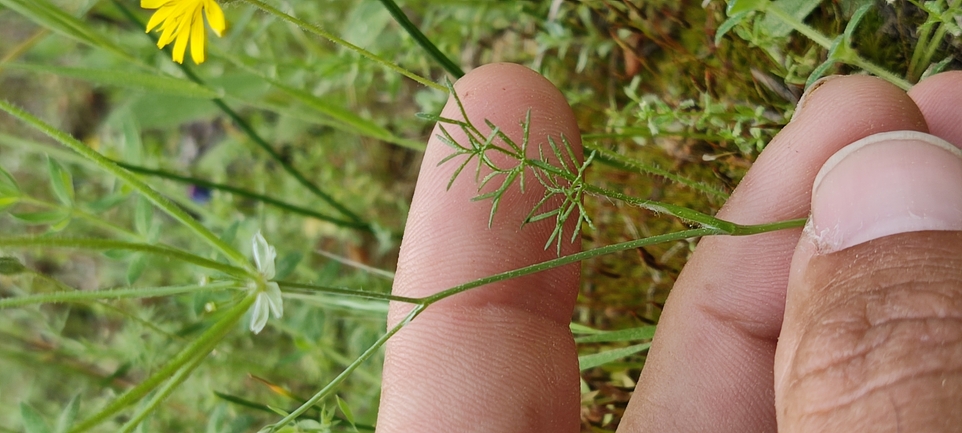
(809, 92)
(888, 183)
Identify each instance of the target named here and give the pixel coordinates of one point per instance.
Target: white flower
(269, 300)
(264, 256)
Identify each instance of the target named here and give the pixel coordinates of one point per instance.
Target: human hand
(868, 340)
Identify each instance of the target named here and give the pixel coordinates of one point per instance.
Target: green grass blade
(129, 178)
(423, 41)
(110, 294)
(311, 28)
(53, 17)
(201, 346)
(108, 244)
(128, 79)
(630, 334)
(342, 117)
(591, 361)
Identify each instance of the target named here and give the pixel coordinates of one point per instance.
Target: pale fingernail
(888, 183)
(809, 92)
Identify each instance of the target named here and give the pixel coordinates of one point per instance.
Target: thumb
(871, 338)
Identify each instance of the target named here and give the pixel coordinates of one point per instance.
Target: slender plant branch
(422, 40)
(311, 28)
(109, 244)
(169, 387)
(245, 193)
(135, 183)
(200, 346)
(82, 214)
(852, 58)
(573, 258)
(110, 294)
(347, 292)
(616, 160)
(326, 391)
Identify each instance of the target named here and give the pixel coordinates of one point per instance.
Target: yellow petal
(215, 17)
(158, 18)
(153, 4)
(170, 31)
(180, 44)
(197, 42)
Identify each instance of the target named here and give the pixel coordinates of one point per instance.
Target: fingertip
(498, 357)
(939, 98)
(446, 228)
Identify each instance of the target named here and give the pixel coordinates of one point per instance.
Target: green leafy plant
(259, 190)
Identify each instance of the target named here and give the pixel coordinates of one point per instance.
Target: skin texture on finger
(939, 98)
(499, 357)
(872, 338)
(710, 367)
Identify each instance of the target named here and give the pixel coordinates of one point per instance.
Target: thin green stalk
(80, 213)
(165, 391)
(754, 229)
(132, 180)
(66, 155)
(297, 175)
(798, 25)
(646, 133)
(348, 292)
(326, 391)
(573, 258)
(422, 40)
(109, 244)
(202, 345)
(249, 131)
(245, 193)
(311, 28)
(827, 43)
(932, 47)
(109, 294)
(690, 215)
(880, 72)
(920, 47)
(609, 249)
(613, 159)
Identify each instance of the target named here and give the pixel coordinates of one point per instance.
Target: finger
(939, 98)
(871, 339)
(500, 357)
(710, 365)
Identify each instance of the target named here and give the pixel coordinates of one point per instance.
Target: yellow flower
(182, 21)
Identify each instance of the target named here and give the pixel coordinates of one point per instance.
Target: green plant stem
(245, 193)
(132, 180)
(348, 292)
(109, 294)
(166, 390)
(609, 249)
(825, 42)
(249, 131)
(798, 25)
(422, 40)
(297, 175)
(108, 244)
(326, 391)
(573, 258)
(920, 48)
(80, 213)
(878, 71)
(311, 28)
(616, 160)
(932, 47)
(201, 346)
